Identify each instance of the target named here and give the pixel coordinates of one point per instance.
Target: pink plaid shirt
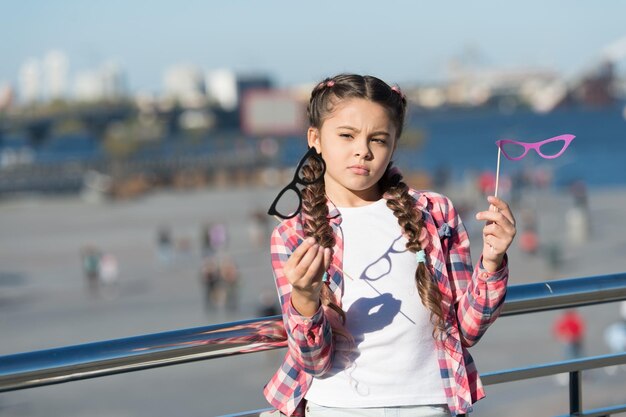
(472, 300)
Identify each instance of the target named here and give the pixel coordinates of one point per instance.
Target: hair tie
(330, 83)
(397, 90)
(394, 171)
(421, 257)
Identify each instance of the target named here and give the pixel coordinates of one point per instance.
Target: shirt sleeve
(478, 294)
(309, 339)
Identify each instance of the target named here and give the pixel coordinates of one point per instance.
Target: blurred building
(6, 96)
(185, 85)
(596, 87)
(226, 91)
(227, 88)
(55, 75)
(105, 83)
(30, 81)
(113, 81)
(221, 88)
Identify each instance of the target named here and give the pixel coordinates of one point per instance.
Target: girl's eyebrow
(354, 129)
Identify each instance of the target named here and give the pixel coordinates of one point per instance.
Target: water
(464, 140)
(458, 140)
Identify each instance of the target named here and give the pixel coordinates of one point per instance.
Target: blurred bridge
(38, 125)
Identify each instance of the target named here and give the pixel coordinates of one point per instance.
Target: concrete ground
(45, 303)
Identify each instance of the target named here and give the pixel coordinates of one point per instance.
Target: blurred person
(109, 274)
(218, 236)
(164, 244)
(267, 304)
(90, 261)
(399, 247)
(577, 216)
(205, 241)
(211, 280)
(184, 250)
(487, 183)
(569, 328)
(529, 239)
(615, 337)
(230, 277)
(554, 258)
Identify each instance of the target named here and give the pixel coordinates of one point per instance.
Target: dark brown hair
(325, 96)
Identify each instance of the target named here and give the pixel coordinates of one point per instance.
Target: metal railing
(71, 363)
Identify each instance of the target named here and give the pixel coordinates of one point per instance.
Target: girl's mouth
(359, 170)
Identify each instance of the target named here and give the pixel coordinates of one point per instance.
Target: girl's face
(357, 140)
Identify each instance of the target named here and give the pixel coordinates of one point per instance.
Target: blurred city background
(141, 145)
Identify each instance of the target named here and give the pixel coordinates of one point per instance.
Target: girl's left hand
(498, 232)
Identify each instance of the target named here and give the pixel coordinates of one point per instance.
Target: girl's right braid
(314, 206)
(316, 224)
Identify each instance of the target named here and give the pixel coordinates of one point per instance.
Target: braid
(314, 206)
(316, 224)
(403, 206)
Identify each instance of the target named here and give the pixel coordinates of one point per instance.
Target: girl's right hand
(304, 270)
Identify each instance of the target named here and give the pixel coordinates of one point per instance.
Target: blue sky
(298, 41)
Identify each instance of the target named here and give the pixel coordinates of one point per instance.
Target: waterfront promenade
(45, 303)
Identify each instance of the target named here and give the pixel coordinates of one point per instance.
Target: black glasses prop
(284, 210)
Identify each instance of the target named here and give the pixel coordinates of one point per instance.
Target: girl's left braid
(411, 220)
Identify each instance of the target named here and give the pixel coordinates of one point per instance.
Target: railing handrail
(537, 371)
(70, 363)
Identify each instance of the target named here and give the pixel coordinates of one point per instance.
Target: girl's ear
(313, 138)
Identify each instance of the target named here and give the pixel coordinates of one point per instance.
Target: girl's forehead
(358, 111)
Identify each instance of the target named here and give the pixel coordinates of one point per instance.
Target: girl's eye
(379, 140)
(345, 135)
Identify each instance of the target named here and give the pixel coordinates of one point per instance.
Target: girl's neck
(351, 198)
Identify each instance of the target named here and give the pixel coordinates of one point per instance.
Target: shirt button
(485, 275)
(306, 321)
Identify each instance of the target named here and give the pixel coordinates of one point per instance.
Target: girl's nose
(362, 150)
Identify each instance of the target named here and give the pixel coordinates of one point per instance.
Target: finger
(302, 250)
(498, 230)
(497, 218)
(328, 257)
(302, 267)
(492, 216)
(502, 207)
(314, 271)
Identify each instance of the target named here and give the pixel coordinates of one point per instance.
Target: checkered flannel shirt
(472, 300)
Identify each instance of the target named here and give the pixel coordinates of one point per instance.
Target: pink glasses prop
(548, 149)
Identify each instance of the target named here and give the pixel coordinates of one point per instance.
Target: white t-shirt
(394, 359)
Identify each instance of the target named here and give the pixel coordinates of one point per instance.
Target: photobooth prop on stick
(515, 150)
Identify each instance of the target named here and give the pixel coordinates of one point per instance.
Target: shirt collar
(335, 216)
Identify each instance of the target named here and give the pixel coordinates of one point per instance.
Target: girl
(379, 298)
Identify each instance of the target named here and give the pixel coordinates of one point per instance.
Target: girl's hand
(498, 232)
(304, 270)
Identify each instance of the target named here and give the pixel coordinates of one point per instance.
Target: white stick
(496, 190)
(497, 173)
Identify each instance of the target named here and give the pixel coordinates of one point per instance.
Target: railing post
(575, 393)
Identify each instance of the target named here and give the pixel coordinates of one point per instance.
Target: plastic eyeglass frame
(567, 139)
(311, 153)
